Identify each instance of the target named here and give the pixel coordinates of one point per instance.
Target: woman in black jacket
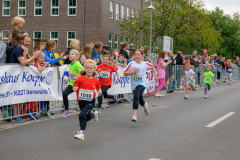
(179, 58)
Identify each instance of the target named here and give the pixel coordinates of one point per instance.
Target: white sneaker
(146, 110)
(79, 136)
(95, 116)
(205, 96)
(186, 97)
(160, 95)
(134, 118)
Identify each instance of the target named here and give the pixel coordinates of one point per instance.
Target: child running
(190, 79)
(85, 86)
(137, 69)
(230, 69)
(208, 78)
(74, 67)
(105, 79)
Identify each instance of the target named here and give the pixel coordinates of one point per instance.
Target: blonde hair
(169, 53)
(206, 67)
(74, 43)
(120, 55)
(114, 61)
(83, 72)
(229, 61)
(208, 59)
(86, 51)
(41, 55)
(199, 57)
(188, 64)
(106, 55)
(75, 52)
(50, 44)
(17, 20)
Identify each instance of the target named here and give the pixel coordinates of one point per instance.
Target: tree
(187, 23)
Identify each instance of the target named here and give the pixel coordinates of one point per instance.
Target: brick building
(64, 20)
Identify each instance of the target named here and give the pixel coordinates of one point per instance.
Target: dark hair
(98, 45)
(124, 44)
(139, 50)
(145, 50)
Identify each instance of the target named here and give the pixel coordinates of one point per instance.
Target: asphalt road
(175, 129)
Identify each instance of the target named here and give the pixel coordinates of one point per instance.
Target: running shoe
(79, 136)
(134, 118)
(65, 113)
(186, 97)
(146, 110)
(18, 120)
(98, 110)
(205, 96)
(96, 116)
(115, 99)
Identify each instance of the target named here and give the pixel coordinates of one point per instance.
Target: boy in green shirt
(208, 78)
(74, 67)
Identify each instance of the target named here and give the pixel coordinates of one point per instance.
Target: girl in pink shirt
(161, 65)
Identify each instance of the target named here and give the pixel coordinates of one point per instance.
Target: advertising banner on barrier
(117, 87)
(151, 84)
(20, 84)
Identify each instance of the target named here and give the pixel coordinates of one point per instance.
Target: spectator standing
(237, 62)
(74, 44)
(179, 58)
(195, 55)
(86, 53)
(125, 47)
(203, 58)
(18, 58)
(9, 49)
(96, 52)
(2, 50)
(146, 58)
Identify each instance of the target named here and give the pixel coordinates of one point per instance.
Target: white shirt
(189, 74)
(139, 78)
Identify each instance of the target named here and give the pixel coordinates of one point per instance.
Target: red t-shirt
(39, 65)
(86, 88)
(105, 77)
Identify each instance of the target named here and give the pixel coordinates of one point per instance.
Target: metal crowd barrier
(173, 79)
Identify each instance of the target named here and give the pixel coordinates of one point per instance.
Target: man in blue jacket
(95, 52)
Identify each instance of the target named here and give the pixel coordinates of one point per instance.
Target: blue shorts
(229, 75)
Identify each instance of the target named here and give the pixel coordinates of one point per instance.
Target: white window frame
(121, 41)
(54, 7)
(128, 13)
(131, 43)
(37, 8)
(111, 10)
(133, 12)
(117, 11)
(115, 42)
(34, 34)
(5, 38)
(55, 39)
(70, 38)
(110, 41)
(22, 7)
(72, 7)
(3, 8)
(127, 39)
(122, 12)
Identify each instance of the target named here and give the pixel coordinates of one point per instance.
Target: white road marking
(154, 159)
(220, 119)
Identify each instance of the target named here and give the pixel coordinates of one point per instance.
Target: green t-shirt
(208, 77)
(74, 68)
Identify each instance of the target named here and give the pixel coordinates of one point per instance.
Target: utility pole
(141, 25)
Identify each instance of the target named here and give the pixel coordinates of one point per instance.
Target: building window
(54, 36)
(131, 44)
(6, 8)
(72, 7)
(121, 41)
(70, 36)
(5, 35)
(123, 13)
(37, 34)
(54, 8)
(132, 13)
(117, 11)
(110, 40)
(127, 39)
(111, 10)
(22, 7)
(116, 42)
(38, 8)
(128, 13)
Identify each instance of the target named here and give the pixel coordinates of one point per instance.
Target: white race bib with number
(105, 74)
(86, 95)
(229, 70)
(207, 79)
(73, 78)
(138, 77)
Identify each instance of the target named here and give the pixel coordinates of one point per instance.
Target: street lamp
(150, 52)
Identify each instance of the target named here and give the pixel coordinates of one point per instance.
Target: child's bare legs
(187, 88)
(230, 79)
(193, 88)
(25, 51)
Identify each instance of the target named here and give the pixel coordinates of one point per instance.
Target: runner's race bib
(104, 74)
(86, 95)
(207, 79)
(138, 77)
(73, 78)
(229, 70)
